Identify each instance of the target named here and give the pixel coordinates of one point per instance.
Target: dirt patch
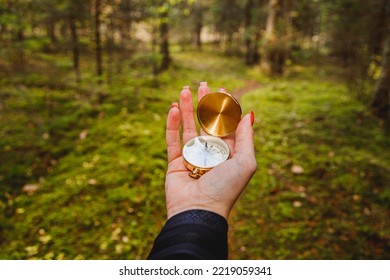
(250, 85)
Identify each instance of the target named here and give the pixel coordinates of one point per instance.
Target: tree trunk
(19, 59)
(379, 32)
(255, 48)
(270, 27)
(198, 26)
(275, 44)
(98, 47)
(114, 63)
(154, 47)
(63, 30)
(126, 22)
(380, 105)
(248, 35)
(51, 32)
(75, 48)
(164, 41)
(3, 30)
(269, 36)
(229, 43)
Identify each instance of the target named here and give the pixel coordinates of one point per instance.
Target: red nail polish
(252, 118)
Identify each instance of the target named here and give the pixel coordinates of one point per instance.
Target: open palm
(218, 189)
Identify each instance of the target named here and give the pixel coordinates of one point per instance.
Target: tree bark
(380, 105)
(269, 36)
(198, 26)
(127, 21)
(51, 32)
(270, 27)
(379, 32)
(110, 50)
(255, 48)
(19, 61)
(248, 36)
(275, 43)
(75, 48)
(164, 41)
(98, 47)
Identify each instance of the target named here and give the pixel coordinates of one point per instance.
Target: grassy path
(97, 155)
(250, 86)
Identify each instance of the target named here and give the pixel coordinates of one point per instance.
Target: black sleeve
(193, 234)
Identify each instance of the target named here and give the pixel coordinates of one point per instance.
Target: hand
(218, 189)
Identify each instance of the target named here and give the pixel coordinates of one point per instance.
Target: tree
(198, 18)
(277, 37)
(126, 8)
(269, 37)
(252, 19)
(357, 44)
(75, 47)
(162, 10)
(380, 105)
(50, 14)
(361, 39)
(227, 18)
(308, 24)
(75, 13)
(164, 37)
(98, 47)
(14, 22)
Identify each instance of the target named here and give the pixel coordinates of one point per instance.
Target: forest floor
(83, 165)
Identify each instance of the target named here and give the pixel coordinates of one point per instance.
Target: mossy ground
(97, 153)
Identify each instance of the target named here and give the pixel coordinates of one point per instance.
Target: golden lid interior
(219, 113)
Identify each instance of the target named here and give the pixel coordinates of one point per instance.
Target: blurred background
(85, 87)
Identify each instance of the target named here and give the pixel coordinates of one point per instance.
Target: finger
(202, 91)
(187, 114)
(230, 141)
(172, 133)
(244, 145)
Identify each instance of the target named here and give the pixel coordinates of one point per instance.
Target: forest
(85, 87)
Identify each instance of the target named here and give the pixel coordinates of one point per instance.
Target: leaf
(297, 169)
(83, 134)
(30, 188)
(92, 182)
(297, 204)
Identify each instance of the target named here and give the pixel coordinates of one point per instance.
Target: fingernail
(222, 89)
(252, 117)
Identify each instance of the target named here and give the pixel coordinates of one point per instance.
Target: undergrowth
(95, 158)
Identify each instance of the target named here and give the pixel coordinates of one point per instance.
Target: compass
(218, 114)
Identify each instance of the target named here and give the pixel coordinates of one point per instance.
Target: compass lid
(219, 113)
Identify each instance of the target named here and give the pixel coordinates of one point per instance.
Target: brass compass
(218, 114)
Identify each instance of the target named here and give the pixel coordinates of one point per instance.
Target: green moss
(98, 154)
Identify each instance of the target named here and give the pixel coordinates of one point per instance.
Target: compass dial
(206, 151)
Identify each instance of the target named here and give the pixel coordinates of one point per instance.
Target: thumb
(244, 150)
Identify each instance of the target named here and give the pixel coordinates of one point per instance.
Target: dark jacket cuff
(193, 234)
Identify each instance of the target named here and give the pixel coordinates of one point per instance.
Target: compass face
(205, 151)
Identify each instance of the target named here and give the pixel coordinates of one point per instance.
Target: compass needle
(206, 153)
